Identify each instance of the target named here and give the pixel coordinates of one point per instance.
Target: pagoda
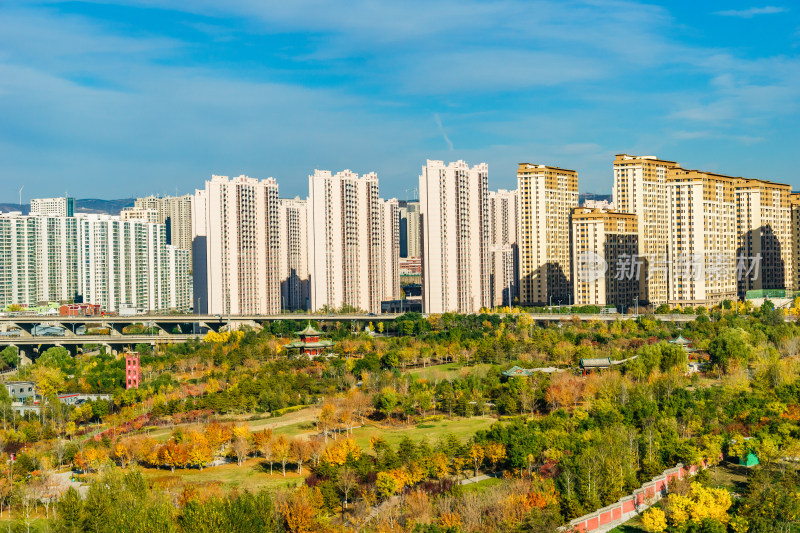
(684, 343)
(309, 344)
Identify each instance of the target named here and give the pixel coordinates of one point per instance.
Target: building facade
(547, 196)
(53, 207)
(294, 254)
(764, 228)
(604, 242)
(640, 187)
(173, 211)
(454, 210)
(237, 235)
(345, 241)
(702, 238)
(97, 259)
(504, 252)
(390, 249)
(410, 230)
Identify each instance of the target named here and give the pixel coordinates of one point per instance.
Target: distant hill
(85, 205)
(594, 196)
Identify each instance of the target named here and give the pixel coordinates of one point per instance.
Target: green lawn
(252, 475)
(445, 371)
(482, 485)
(463, 428)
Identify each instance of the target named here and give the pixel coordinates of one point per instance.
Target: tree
(69, 509)
(346, 482)
(386, 484)
(476, 454)
(654, 520)
(240, 448)
(281, 452)
(299, 451)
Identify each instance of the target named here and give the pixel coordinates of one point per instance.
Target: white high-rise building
(345, 241)
(454, 209)
(174, 211)
(236, 229)
(294, 254)
(138, 213)
(503, 213)
(53, 207)
(410, 230)
(390, 248)
(98, 258)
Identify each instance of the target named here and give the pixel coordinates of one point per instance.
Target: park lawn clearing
(253, 475)
(445, 371)
(480, 486)
(462, 428)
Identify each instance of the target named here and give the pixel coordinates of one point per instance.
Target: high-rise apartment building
(503, 249)
(547, 196)
(604, 244)
(294, 254)
(454, 210)
(390, 248)
(640, 187)
(794, 202)
(174, 211)
(38, 259)
(764, 228)
(702, 237)
(138, 213)
(410, 230)
(53, 207)
(345, 241)
(97, 258)
(237, 236)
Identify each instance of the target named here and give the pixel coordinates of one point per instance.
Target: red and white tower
(132, 372)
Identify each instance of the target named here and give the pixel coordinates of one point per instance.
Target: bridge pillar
(26, 328)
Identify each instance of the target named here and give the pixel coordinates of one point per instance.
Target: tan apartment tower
(344, 241)
(454, 211)
(237, 245)
(547, 196)
(764, 228)
(294, 254)
(640, 187)
(504, 252)
(702, 238)
(604, 242)
(794, 202)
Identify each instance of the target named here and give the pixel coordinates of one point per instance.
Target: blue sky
(114, 99)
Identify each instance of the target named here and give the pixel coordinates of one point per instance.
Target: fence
(628, 506)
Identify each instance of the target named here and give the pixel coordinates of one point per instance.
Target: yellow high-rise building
(547, 196)
(640, 187)
(702, 237)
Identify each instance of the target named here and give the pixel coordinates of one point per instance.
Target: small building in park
(684, 343)
(133, 373)
(310, 344)
(595, 364)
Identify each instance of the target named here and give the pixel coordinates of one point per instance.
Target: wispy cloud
(752, 12)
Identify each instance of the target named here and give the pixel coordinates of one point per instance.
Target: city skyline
(143, 98)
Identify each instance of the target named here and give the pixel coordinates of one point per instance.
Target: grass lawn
(252, 475)
(634, 525)
(482, 485)
(445, 371)
(463, 428)
(290, 424)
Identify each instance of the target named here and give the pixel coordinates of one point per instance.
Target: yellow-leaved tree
(654, 520)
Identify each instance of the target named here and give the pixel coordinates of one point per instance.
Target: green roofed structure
(309, 344)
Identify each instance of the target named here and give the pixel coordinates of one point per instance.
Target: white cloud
(752, 12)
